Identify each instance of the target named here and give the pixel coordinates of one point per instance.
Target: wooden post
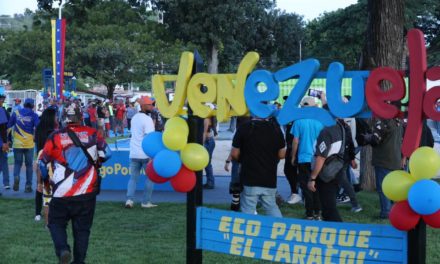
(417, 244)
(195, 197)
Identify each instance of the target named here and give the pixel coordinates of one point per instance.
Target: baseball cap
(146, 100)
(308, 101)
(29, 101)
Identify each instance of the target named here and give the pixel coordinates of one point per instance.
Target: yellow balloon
(396, 185)
(424, 163)
(177, 123)
(194, 156)
(174, 139)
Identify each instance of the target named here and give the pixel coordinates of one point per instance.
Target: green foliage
(338, 36)
(23, 55)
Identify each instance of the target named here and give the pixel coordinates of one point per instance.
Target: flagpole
(59, 11)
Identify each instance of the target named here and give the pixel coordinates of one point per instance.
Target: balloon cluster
(415, 194)
(173, 159)
(70, 94)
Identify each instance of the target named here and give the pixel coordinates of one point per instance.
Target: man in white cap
(142, 124)
(305, 132)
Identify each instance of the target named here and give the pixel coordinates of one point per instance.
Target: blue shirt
(435, 129)
(23, 123)
(306, 131)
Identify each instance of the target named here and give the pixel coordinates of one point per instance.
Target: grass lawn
(155, 235)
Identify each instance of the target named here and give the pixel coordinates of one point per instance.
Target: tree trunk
(213, 60)
(110, 90)
(384, 47)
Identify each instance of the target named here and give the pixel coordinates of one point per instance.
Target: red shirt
(120, 111)
(92, 114)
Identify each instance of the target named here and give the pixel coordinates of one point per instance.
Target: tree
(338, 36)
(384, 47)
(113, 42)
(212, 24)
(23, 55)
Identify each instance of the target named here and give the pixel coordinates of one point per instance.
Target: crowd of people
(69, 140)
(68, 137)
(320, 161)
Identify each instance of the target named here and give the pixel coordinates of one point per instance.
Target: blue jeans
(235, 184)
(28, 156)
(4, 167)
(136, 165)
(385, 203)
(210, 145)
(252, 194)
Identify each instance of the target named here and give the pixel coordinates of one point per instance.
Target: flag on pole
(58, 45)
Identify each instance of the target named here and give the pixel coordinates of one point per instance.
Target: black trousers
(291, 172)
(311, 199)
(38, 202)
(81, 214)
(327, 195)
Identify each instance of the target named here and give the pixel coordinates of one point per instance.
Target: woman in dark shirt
(48, 124)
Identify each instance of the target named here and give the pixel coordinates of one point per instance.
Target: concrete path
(219, 195)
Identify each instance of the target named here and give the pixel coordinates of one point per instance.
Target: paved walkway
(219, 195)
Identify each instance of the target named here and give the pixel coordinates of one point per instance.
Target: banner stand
(195, 197)
(417, 243)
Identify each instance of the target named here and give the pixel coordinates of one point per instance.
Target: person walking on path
(142, 124)
(75, 154)
(22, 124)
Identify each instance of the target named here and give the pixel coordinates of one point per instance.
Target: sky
(310, 9)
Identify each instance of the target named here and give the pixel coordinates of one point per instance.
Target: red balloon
(184, 181)
(154, 177)
(433, 220)
(403, 217)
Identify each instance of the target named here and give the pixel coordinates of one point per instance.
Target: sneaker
(129, 204)
(356, 209)
(148, 205)
(317, 218)
(65, 257)
(37, 218)
(28, 189)
(7, 187)
(309, 218)
(342, 199)
(294, 199)
(16, 184)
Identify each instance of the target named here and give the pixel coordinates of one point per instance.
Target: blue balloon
(424, 197)
(167, 163)
(152, 144)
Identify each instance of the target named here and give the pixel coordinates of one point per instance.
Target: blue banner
(298, 241)
(115, 174)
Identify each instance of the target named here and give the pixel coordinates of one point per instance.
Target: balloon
(174, 139)
(396, 185)
(402, 217)
(177, 123)
(424, 197)
(424, 163)
(167, 163)
(184, 181)
(152, 144)
(152, 175)
(194, 156)
(433, 220)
